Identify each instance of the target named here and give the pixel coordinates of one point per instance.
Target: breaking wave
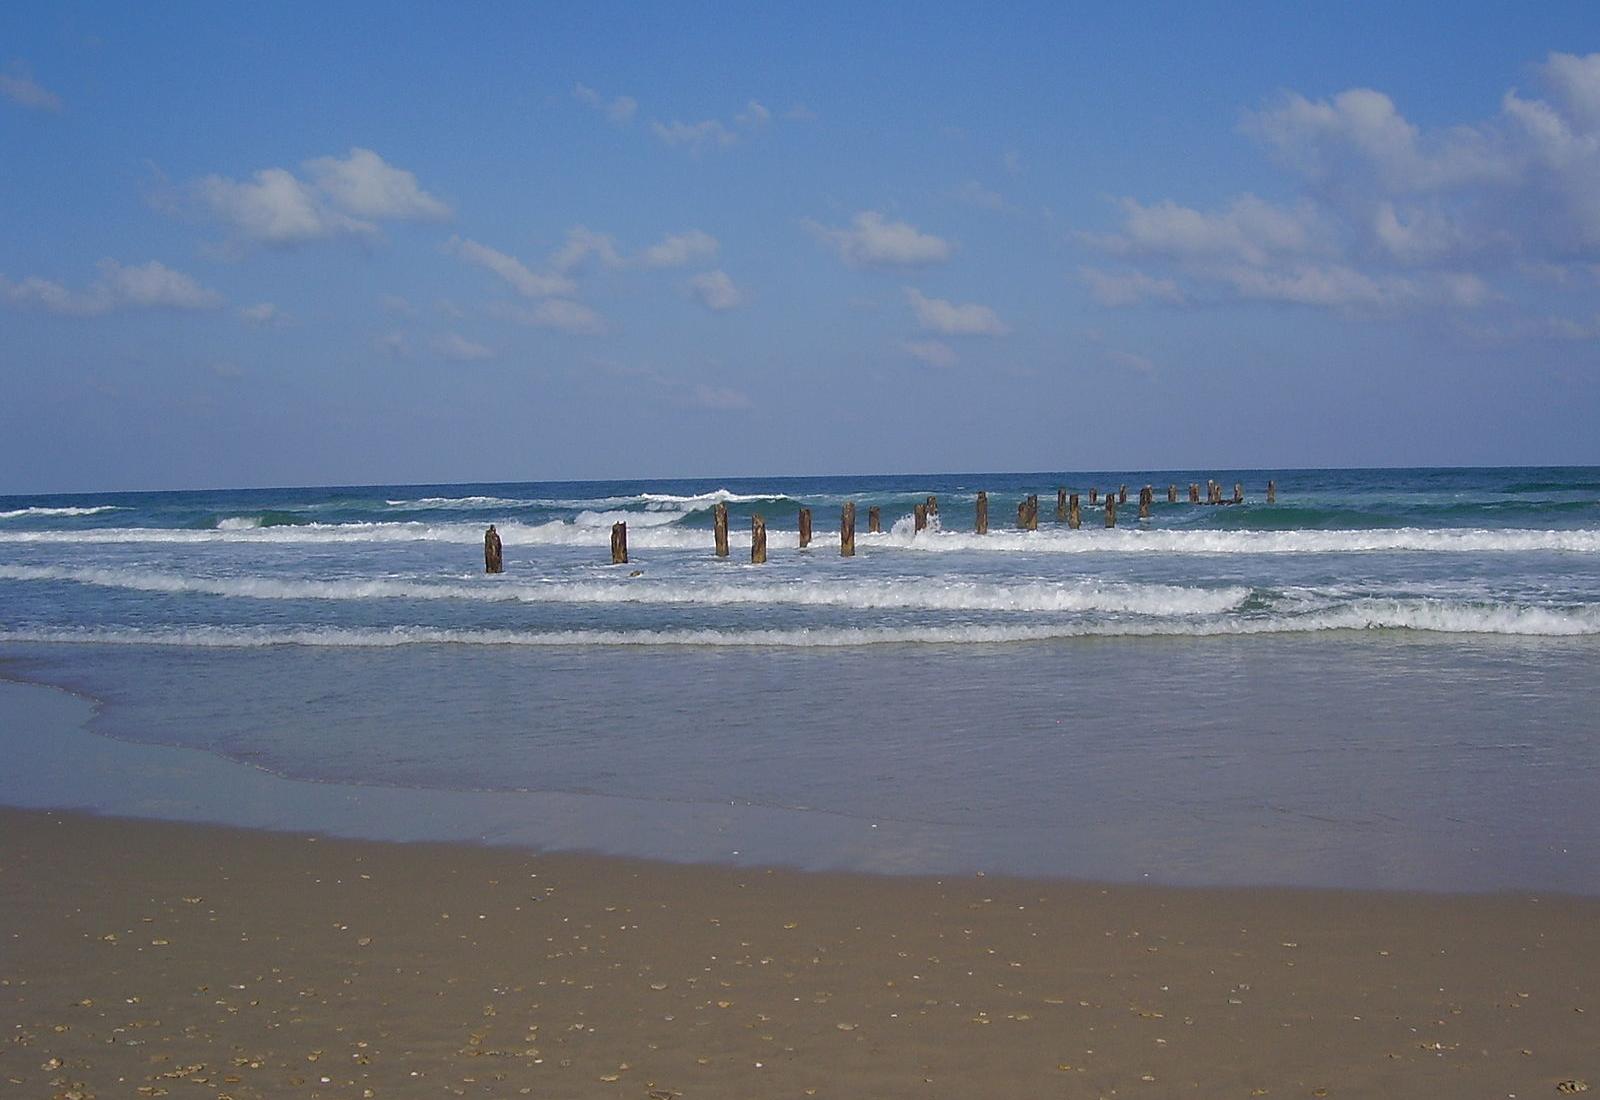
(664, 534)
(29, 513)
(911, 594)
(1394, 615)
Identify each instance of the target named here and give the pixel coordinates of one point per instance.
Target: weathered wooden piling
(1194, 492)
(492, 559)
(1111, 510)
(1074, 517)
(1094, 497)
(1238, 492)
(805, 528)
(847, 529)
(919, 517)
(619, 544)
(1122, 495)
(1272, 492)
(758, 540)
(982, 524)
(1028, 513)
(874, 519)
(1061, 505)
(1146, 497)
(933, 506)
(1172, 494)
(719, 527)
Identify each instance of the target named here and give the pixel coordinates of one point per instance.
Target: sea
(1386, 679)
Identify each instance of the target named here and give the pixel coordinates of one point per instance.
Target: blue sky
(314, 244)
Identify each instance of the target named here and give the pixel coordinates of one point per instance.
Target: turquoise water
(1387, 678)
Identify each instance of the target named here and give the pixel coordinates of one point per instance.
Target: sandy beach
(151, 959)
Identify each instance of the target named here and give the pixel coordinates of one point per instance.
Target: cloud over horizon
(1391, 216)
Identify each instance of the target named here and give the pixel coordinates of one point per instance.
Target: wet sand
(151, 959)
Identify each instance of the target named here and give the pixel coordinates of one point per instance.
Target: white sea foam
(474, 502)
(901, 593)
(671, 536)
(1398, 615)
(28, 513)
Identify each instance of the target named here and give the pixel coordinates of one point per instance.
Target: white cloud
(17, 85)
(620, 109)
(935, 353)
(1338, 285)
(754, 116)
(365, 185)
(952, 319)
(1130, 287)
(1250, 230)
(1576, 83)
(674, 250)
(715, 291)
(583, 243)
(695, 135)
(274, 207)
(395, 344)
(559, 314)
(530, 284)
(150, 285)
(1361, 131)
(873, 241)
(679, 249)
(262, 314)
(458, 348)
(1391, 216)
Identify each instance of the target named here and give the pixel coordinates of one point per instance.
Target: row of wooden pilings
(1068, 511)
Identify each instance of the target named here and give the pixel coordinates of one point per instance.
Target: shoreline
(61, 756)
(147, 955)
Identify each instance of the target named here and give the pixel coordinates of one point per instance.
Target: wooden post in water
(1074, 517)
(1172, 494)
(719, 527)
(1122, 495)
(1272, 492)
(1111, 510)
(1194, 492)
(847, 529)
(492, 560)
(758, 540)
(874, 519)
(933, 506)
(619, 544)
(982, 525)
(805, 528)
(1033, 511)
(1094, 497)
(919, 518)
(1238, 492)
(1146, 496)
(1061, 505)
(1022, 514)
